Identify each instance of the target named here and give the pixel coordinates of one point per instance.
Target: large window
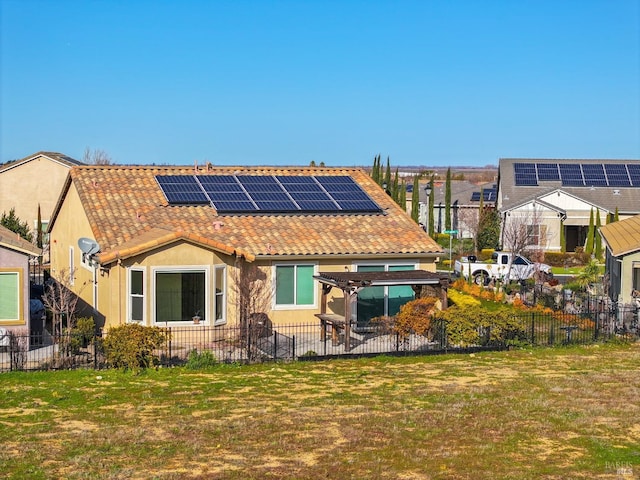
(220, 297)
(378, 301)
(295, 286)
(180, 294)
(10, 296)
(136, 295)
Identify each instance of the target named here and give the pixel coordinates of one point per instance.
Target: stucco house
(35, 180)
(556, 196)
(15, 253)
(158, 245)
(622, 241)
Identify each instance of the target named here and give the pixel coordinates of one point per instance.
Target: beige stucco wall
(23, 187)
(626, 282)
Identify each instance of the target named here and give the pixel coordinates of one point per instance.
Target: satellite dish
(88, 246)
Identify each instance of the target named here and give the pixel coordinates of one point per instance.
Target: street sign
(451, 232)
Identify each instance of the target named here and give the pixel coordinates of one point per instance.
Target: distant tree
(96, 157)
(13, 223)
(375, 170)
(447, 201)
(516, 233)
(394, 187)
(39, 229)
(415, 199)
(588, 247)
(312, 163)
(431, 220)
(597, 238)
(402, 200)
(616, 216)
(563, 241)
(322, 165)
(387, 175)
(488, 228)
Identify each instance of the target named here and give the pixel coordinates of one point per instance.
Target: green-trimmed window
(295, 285)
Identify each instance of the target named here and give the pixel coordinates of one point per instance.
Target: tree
(13, 223)
(447, 201)
(588, 247)
(403, 196)
(61, 301)
(517, 233)
(615, 215)
(252, 297)
(394, 187)
(597, 238)
(96, 157)
(431, 227)
(375, 170)
(39, 229)
(415, 199)
(563, 241)
(387, 176)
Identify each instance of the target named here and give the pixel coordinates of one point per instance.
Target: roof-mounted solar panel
(617, 175)
(594, 174)
(525, 174)
(548, 172)
(634, 173)
(182, 190)
(571, 175)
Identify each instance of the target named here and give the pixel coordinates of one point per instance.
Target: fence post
(293, 347)
(533, 329)
(275, 345)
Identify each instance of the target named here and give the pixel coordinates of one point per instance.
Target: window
(220, 297)
(295, 286)
(536, 234)
(136, 295)
(378, 301)
(180, 294)
(10, 296)
(71, 267)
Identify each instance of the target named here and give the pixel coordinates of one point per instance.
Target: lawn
(521, 414)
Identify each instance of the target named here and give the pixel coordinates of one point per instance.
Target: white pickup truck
(481, 272)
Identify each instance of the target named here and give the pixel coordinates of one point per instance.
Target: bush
(201, 360)
(131, 346)
(468, 326)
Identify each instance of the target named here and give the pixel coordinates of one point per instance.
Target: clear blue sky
(284, 82)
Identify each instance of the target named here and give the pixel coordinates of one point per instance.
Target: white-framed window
(179, 293)
(136, 307)
(294, 286)
(10, 295)
(45, 225)
(220, 301)
(72, 266)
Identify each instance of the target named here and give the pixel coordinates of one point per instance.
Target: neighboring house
(558, 195)
(171, 240)
(34, 181)
(622, 240)
(15, 253)
(465, 203)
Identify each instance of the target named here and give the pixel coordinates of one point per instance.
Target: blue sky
(431, 83)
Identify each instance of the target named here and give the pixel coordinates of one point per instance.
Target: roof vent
(616, 192)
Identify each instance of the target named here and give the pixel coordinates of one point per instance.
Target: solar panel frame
(617, 175)
(634, 173)
(571, 174)
(548, 172)
(593, 174)
(525, 174)
(182, 190)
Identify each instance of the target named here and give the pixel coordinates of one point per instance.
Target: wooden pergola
(422, 282)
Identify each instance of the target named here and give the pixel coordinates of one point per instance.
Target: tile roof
(13, 241)
(129, 214)
(622, 237)
(627, 199)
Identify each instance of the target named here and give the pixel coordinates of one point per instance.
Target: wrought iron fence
(232, 344)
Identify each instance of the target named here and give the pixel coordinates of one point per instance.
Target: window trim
(19, 273)
(181, 269)
(130, 295)
(223, 294)
(294, 306)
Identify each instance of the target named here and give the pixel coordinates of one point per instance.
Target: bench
(336, 324)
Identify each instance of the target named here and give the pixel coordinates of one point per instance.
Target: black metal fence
(231, 344)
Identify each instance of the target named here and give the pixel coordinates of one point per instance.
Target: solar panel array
(268, 193)
(578, 174)
(488, 195)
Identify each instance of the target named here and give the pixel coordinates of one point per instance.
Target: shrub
(131, 346)
(415, 317)
(461, 300)
(201, 360)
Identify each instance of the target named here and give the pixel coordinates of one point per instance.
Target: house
(465, 205)
(15, 253)
(556, 197)
(31, 182)
(160, 245)
(622, 241)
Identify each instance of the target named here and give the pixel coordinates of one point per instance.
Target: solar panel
(571, 175)
(634, 173)
(525, 174)
(617, 174)
(182, 190)
(548, 171)
(268, 193)
(475, 197)
(594, 174)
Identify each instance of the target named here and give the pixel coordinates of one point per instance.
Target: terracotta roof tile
(127, 211)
